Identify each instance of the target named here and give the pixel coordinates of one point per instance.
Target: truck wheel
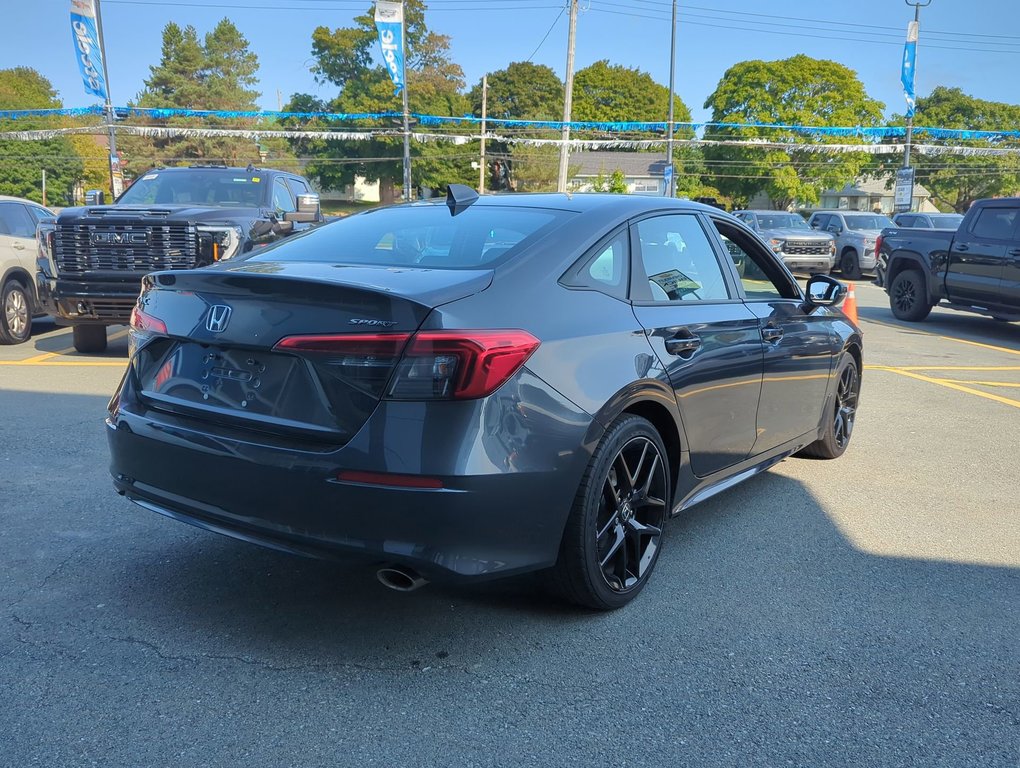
(15, 313)
(908, 296)
(89, 338)
(848, 265)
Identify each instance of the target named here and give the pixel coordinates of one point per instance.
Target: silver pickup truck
(801, 248)
(856, 233)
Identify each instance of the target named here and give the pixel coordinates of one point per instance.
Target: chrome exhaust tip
(400, 578)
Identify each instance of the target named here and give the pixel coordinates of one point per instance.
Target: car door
(17, 237)
(707, 339)
(799, 345)
(977, 257)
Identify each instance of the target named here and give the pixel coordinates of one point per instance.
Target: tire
(849, 265)
(841, 416)
(15, 313)
(613, 536)
(89, 338)
(908, 296)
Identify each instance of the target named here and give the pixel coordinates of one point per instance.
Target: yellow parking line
(944, 367)
(987, 383)
(912, 329)
(66, 351)
(959, 387)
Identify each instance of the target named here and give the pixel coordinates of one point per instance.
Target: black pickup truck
(91, 260)
(975, 269)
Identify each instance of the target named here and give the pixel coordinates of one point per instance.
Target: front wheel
(839, 420)
(849, 265)
(15, 313)
(89, 339)
(614, 533)
(908, 296)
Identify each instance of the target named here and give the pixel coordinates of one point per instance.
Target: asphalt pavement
(854, 612)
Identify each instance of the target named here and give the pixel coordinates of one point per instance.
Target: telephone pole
(568, 96)
(485, 105)
(914, 30)
(116, 178)
(671, 182)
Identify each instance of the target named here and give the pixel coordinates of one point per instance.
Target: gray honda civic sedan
(481, 386)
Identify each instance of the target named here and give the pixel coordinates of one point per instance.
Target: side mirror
(307, 209)
(825, 291)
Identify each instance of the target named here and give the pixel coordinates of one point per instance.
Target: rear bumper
(78, 302)
(509, 473)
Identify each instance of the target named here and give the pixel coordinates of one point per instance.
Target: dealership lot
(860, 611)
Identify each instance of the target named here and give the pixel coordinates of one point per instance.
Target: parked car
(928, 220)
(855, 234)
(788, 234)
(18, 298)
(481, 388)
(974, 269)
(93, 258)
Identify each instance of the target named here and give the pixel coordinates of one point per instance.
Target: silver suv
(801, 249)
(855, 233)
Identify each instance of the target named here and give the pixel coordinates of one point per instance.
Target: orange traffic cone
(850, 304)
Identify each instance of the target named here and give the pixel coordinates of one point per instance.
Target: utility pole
(671, 184)
(116, 178)
(407, 116)
(485, 105)
(279, 100)
(568, 96)
(44, 187)
(918, 4)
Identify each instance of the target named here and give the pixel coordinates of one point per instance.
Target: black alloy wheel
(908, 296)
(15, 314)
(614, 535)
(839, 421)
(848, 265)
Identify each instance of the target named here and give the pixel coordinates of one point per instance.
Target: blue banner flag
(86, 46)
(907, 73)
(389, 20)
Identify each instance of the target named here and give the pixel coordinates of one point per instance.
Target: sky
(970, 44)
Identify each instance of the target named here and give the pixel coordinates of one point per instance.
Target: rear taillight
(878, 244)
(146, 323)
(429, 365)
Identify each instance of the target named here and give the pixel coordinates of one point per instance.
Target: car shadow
(48, 337)
(952, 323)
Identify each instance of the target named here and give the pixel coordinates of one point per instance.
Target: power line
(548, 32)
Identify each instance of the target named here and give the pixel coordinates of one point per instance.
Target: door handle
(962, 247)
(771, 333)
(683, 345)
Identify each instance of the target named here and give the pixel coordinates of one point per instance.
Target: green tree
(346, 58)
(217, 73)
(795, 91)
(957, 181)
(605, 92)
(522, 91)
(22, 162)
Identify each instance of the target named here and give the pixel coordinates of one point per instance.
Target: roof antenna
(459, 197)
(250, 168)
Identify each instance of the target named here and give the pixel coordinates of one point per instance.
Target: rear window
(423, 236)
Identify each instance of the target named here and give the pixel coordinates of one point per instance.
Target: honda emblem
(219, 315)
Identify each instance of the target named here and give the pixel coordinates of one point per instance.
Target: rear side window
(423, 235)
(995, 223)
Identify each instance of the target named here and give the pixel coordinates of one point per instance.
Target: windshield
(422, 235)
(226, 188)
(946, 220)
(781, 221)
(868, 222)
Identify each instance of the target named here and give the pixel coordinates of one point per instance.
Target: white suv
(18, 220)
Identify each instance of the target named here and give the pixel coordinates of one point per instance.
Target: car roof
(582, 202)
(768, 211)
(224, 168)
(9, 199)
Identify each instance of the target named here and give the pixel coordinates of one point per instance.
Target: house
(861, 196)
(642, 171)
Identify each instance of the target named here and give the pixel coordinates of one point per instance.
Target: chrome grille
(807, 247)
(124, 247)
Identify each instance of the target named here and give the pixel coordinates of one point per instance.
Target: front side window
(679, 260)
(222, 188)
(821, 221)
(424, 235)
(15, 221)
(762, 277)
(282, 200)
